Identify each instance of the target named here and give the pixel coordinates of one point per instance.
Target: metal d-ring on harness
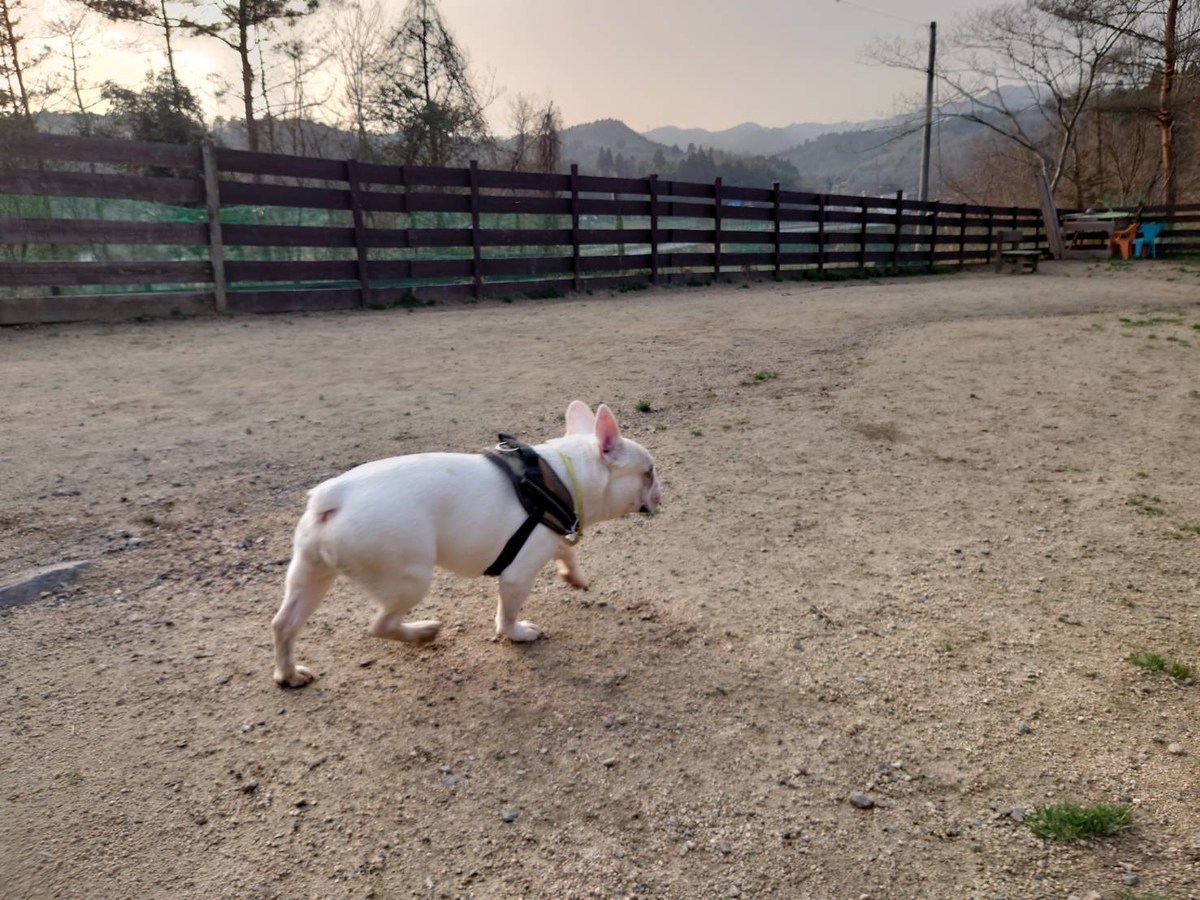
(541, 492)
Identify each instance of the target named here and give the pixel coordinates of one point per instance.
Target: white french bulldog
(387, 523)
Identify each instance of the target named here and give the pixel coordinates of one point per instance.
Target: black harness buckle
(541, 492)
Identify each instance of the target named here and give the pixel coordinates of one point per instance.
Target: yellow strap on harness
(578, 497)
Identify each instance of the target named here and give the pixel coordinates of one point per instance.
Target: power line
(879, 12)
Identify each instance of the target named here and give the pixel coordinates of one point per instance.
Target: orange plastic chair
(1122, 241)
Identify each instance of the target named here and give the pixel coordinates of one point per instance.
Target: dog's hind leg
(308, 581)
(397, 593)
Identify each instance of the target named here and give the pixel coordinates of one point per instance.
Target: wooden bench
(1009, 252)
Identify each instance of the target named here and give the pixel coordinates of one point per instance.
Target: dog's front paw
(521, 632)
(299, 677)
(573, 578)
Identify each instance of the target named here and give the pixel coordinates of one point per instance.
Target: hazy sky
(693, 63)
(698, 63)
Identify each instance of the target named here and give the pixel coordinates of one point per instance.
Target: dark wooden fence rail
(94, 228)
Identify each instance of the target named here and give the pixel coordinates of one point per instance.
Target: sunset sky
(647, 62)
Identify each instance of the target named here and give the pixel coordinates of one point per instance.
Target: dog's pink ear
(608, 435)
(579, 418)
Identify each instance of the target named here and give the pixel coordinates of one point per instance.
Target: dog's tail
(324, 501)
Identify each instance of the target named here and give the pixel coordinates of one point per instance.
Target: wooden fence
(95, 228)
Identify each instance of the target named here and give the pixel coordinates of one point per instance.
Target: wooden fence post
(577, 284)
(820, 232)
(476, 255)
(898, 230)
(653, 190)
(360, 236)
(933, 231)
(216, 247)
(717, 229)
(778, 228)
(962, 235)
(991, 226)
(862, 247)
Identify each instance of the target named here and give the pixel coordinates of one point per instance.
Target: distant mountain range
(750, 137)
(876, 157)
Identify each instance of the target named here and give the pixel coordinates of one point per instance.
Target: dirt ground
(912, 530)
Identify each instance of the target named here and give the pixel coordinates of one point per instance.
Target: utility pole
(928, 132)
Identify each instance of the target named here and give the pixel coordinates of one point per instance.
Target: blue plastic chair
(1147, 235)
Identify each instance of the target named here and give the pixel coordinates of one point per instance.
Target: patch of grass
(643, 406)
(1072, 822)
(1190, 528)
(1195, 395)
(760, 377)
(1146, 504)
(148, 518)
(407, 300)
(411, 301)
(634, 286)
(945, 646)
(850, 274)
(1153, 662)
(660, 427)
(695, 282)
(1146, 660)
(696, 432)
(548, 293)
(1179, 671)
(72, 779)
(1146, 323)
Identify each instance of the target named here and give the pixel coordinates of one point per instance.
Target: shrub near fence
(95, 228)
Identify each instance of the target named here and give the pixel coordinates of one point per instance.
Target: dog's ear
(608, 435)
(579, 418)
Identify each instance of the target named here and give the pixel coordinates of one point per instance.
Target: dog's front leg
(568, 567)
(517, 581)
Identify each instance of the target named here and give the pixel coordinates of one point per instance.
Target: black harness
(541, 492)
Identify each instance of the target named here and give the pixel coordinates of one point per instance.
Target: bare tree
(357, 36)
(295, 103)
(235, 24)
(1023, 73)
(522, 119)
(14, 65)
(535, 145)
(1161, 40)
(423, 91)
(76, 35)
(144, 12)
(547, 140)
